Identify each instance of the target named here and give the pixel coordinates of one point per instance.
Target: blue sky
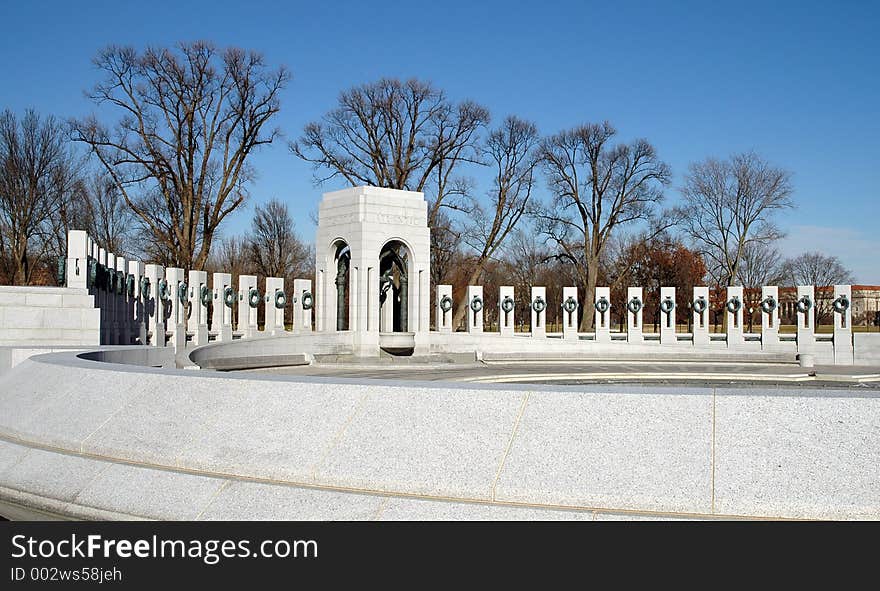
(796, 81)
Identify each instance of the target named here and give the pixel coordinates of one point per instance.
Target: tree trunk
(20, 277)
(589, 297)
(20, 274)
(462, 307)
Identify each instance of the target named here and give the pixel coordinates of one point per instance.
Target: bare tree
(528, 259)
(95, 205)
(815, 268)
(729, 205)
(231, 257)
(107, 216)
(394, 134)
(527, 262)
(445, 251)
(274, 247)
(38, 174)
(72, 214)
(190, 120)
(511, 152)
(652, 261)
(819, 270)
(596, 188)
(760, 265)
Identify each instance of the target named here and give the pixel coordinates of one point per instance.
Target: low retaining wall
(12, 356)
(778, 453)
(272, 351)
(297, 349)
(48, 316)
(867, 348)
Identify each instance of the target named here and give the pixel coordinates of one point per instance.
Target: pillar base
(178, 339)
(201, 335)
(158, 338)
(422, 342)
(769, 338)
(735, 338)
(843, 355)
(634, 335)
(366, 344)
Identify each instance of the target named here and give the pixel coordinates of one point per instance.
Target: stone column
(371, 286)
(365, 325)
(302, 297)
(506, 318)
(320, 296)
(404, 304)
(138, 316)
(112, 327)
(247, 313)
(701, 320)
(419, 296)
(274, 314)
(424, 301)
(634, 307)
(806, 318)
(122, 314)
(110, 299)
(197, 323)
(841, 311)
(155, 308)
(77, 261)
(221, 319)
(602, 304)
(733, 313)
(570, 318)
(93, 258)
(769, 320)
(176, 281)
(101, 298)
(667, 316)
(444, 318)
(354, 299)
(475, 300)
(355, 302)
(93, 264)
(538, 306)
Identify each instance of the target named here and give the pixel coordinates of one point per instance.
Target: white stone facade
(354, 227)
(570, 308)
(506, 310)
(48, 316)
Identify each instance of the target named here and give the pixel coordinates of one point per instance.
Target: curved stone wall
(297, 349)
(271, 351)
(673, 451)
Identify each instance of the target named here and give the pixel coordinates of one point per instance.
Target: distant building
(865, 304)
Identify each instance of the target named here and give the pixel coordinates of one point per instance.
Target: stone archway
(341, 281)
(387, 267)
(394, 288)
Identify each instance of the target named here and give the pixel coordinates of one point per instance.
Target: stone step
(659, 355)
